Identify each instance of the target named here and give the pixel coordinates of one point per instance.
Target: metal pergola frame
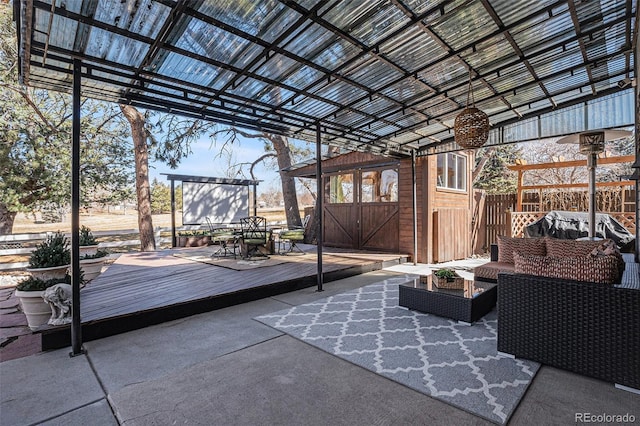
(380, 76)
(204, 179)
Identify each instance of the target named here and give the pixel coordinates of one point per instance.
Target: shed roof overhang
(383, 76)
(208, 179)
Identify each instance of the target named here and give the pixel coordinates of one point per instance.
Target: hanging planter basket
(471, 126)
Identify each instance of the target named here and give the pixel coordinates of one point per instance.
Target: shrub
(100, 253)
(445, 273)
(54, 251)
(86, 237)
(193, 233)
(36, 284)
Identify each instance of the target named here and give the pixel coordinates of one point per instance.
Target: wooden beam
(576, 185)
(574, 163)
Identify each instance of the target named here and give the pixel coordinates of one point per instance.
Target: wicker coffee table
(469, 304)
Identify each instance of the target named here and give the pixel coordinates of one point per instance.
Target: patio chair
(254, 236)
(293, 236)
(226, 238)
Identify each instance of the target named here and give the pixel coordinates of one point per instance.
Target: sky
(202, 162)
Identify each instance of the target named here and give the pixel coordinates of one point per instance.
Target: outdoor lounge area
(397, 98)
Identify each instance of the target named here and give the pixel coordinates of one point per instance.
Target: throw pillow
(571, 248)
(609, 248)
(529, 246)
(605, 248)
(602, 270)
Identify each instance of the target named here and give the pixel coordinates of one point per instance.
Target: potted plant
(87, 242)
(29, 293)
(51, 258)
(91, 264)
(447, 278)
(193, 238)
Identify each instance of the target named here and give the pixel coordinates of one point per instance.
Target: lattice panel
(519, 220)
(628, 220)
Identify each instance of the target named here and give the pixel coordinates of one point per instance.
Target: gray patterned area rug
(450, 361)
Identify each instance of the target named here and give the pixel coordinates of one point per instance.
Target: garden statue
(59, 299)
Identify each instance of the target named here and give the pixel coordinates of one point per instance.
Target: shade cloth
(573, 225)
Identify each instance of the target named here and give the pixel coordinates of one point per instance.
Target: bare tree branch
(307, 184)
(258, 160)
(33, 106)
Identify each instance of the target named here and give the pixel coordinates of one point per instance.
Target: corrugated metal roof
(377, 75)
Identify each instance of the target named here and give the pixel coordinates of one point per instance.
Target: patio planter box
(587, 328)
(194, 241)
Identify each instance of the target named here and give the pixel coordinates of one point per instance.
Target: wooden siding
(391, 229)
(451, 234)
(479, 243)
(405, 191)
(341, 162)
(429, 200)
(452, 210)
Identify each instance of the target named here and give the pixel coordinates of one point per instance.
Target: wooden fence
(497, 221)
(501, 219)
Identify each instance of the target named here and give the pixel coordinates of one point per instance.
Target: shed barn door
(340, 212)
(379, 218)
(340, 227)
(361, 209)
(379, 226)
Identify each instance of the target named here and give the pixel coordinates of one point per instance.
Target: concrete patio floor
(224, 368)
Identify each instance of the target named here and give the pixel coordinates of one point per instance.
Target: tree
(161, 197)
(280, 148)
(35, 143)
(491, 172)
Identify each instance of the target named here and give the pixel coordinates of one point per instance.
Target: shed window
(341, 188)
(452, 171)
(379, 186)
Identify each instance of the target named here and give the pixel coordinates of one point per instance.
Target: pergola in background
(209, 181)
(383, 76)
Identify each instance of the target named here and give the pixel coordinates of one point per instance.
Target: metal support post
(76, 327)
(414, 195)
(319, 203)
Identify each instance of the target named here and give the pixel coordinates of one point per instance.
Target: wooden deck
(141, 289)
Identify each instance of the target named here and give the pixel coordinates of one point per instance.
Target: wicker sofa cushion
(489, 271)
(570, 248)
(601, 269)
(530, 246)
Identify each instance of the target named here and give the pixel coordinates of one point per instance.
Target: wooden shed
(368, 203)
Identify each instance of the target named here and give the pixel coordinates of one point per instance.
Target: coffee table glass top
(470, 290)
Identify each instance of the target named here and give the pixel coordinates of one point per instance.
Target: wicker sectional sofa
(554, 258)
(582, 326)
